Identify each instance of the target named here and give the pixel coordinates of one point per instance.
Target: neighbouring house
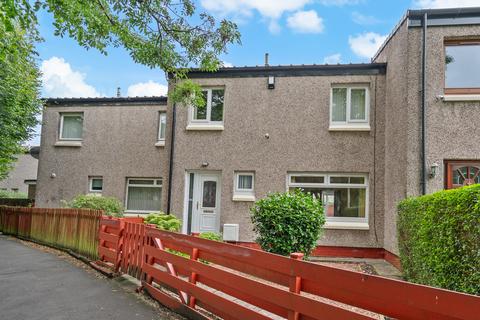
(359, 136)
(23, 177)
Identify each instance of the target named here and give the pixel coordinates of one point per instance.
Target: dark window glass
(307, 179)
(217, 105)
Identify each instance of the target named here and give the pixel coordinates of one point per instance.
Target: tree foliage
(19, 89)
(171, 35)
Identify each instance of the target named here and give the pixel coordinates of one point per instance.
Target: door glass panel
(209, 194)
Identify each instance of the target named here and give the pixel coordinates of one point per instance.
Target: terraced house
(359, 136)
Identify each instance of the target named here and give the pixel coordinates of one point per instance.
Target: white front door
(206, 203)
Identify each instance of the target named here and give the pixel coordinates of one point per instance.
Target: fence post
(295, 286)
(193, 276)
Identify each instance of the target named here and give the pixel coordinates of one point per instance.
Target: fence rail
(73, 229)
(190, 274)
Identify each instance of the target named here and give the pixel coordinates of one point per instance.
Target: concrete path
(41, 285)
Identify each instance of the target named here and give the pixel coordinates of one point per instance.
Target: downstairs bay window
(344, 197)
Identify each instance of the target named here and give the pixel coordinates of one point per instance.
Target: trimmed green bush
(211, 236)
(164, 221)
(439, 239)
(12, 195)
(288, 222)
(110, 205)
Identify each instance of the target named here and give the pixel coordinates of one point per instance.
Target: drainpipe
(170, 164)
(423, 181)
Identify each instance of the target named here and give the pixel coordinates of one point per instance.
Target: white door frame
(186, 196)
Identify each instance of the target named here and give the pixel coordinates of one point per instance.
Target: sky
(291, 31)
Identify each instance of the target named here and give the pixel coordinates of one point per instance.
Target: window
(344, 197)
(349, 108)
(210, 117)
(244, 186)
(95, 184)
(162, 125)
(462, 173)
(71, 126)
(15, 190)
(143, 195)
(462, 67)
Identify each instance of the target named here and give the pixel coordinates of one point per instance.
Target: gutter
(170, 162)
(423, 181)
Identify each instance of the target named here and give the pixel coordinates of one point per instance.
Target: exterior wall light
(433, 170)
(204, 164)
(271, 82)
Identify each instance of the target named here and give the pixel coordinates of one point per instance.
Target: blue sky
(291, 31)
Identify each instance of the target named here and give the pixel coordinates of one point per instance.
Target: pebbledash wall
(119, 135)
(119, 142)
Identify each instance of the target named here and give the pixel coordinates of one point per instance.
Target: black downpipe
(170, 164)
(424, 106)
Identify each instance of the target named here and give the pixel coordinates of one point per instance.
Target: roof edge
(102, 100)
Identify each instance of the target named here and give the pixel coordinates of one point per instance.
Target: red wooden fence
(233, 282)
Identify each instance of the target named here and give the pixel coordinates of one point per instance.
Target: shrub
(164, 221)
(288, 222)
(211, 236)
(110, 205)
(12, 195)
(439, 239)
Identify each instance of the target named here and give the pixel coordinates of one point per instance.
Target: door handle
(197, 205)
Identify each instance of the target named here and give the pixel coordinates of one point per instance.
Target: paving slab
(41, 285)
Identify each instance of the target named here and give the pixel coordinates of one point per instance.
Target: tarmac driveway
(42, 285)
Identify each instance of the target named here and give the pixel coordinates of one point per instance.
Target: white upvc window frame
(243, 194)
(162, 120)
(69, 114)
(206, 124)
(90, 184)
(360, 223)
(351, 124)
(157, 183)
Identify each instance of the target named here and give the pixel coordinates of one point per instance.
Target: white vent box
(230, 232)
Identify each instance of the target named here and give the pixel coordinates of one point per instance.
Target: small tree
(288, 222)
(110, 205)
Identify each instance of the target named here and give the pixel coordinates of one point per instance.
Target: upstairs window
(462, 67)
(71, 126)
(162, 126)
(349, 108)
(211, 115)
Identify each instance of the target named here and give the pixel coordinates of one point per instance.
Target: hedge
(439, 239)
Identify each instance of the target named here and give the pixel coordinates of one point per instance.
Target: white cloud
(339, 3)
(364, 20)
(433, 4)
(365, 45)
(227, 64)
(149, 88)
(333, 59)
(305, 22)
(270, 10)
(60, 80)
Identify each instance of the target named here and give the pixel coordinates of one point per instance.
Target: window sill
(349, 127)
(243, 198)
(346, 225)
(68, 144)
(461, 97)
(160, 143)
(211, 127)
